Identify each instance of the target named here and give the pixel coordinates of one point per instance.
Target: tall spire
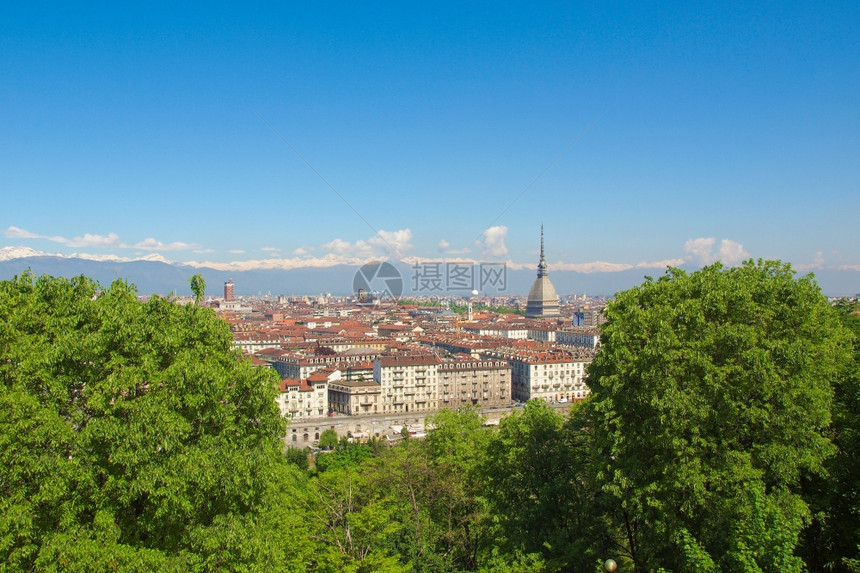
(543, 300)
(542, 265)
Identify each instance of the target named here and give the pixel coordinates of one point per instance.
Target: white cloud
(328, 260)
(17, 233)
(390, 244)
(592, 267)
(270, 249)
(492, 244)
(560, 266)
(607, 267)
(423, 260)
(395, 243)
(150, 244)
(445, 248)
(660, 264)
(732, 253)
(91, 240)
(300, 251)
(701, 250)
(819, 260)
(818, 263)
(236, 252)
(110, 240)
(345, 248)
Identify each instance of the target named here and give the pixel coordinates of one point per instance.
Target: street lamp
(610, 565)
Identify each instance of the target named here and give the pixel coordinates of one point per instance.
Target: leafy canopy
(132, 428)
(198, 287)
(710, 400)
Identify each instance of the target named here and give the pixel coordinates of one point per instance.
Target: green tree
(198, 287)
(456, 445)
(350, 455)
(353, 523)
(328, 439)
(540, 491)
(131, 434)
(711, 396)
(297, 457)
(403, 473)
(832, 540)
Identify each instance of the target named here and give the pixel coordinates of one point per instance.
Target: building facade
(408, 382)
(549, 375)
(355, 397)
(306, 398)
(296, 365)
(467, 381)
(578, 337)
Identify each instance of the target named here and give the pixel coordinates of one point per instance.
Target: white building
(251, 342)
(306, 398)
(299, 366)
(498, 330)
(409, 382)
(543, 334)
(581, 337)
(355, 397)
(550, 375)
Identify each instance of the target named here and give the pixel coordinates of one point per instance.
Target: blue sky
(308, 134)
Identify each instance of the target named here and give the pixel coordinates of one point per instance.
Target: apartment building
(355, 397)
(579, 337)
(551, 374)
(408, 382)
(299, 366)
(468, 381)
(306, 398)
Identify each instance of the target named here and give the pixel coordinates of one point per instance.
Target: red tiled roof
(288, 384)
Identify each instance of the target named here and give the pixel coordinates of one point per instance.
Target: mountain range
(158, 276)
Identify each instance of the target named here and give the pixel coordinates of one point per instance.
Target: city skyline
(306, 137)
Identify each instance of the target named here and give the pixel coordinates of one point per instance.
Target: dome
(543, 300)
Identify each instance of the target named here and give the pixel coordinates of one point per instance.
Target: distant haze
(153, 277)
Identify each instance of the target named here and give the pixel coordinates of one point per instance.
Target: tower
(228, 290)
(543, 300)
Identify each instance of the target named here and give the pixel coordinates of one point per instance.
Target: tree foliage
(297, 457)
(711, 400)
(198, 287)
(722, 427)
(328, 439)
(832, 542)
(349, 455)
(352, 522)
(127, 430)
(539, 472)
